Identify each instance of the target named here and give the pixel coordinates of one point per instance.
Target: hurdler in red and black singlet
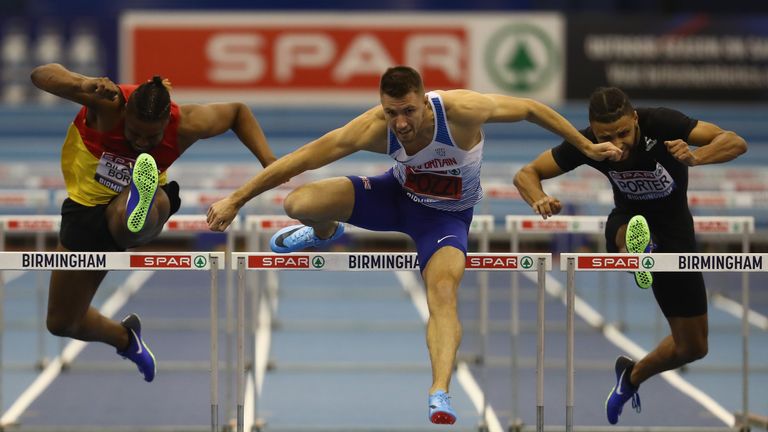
(97, 165)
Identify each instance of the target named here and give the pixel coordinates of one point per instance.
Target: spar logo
(714, 226)
(521, 58)
(610, 262)
(279, 262)
(286, 52)
(273, 224)
(545, 225)
(198, 224)
(200, 261)
(31, 225)
(648, 263)
(161, 261)
(318, 262)
(492, 262)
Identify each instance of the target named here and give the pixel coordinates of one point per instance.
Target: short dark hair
(608, 104)
(151, 101)
(398, 81)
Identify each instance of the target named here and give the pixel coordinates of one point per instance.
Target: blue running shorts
(381, 204)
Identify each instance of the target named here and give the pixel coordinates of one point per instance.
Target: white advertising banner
(338, 58)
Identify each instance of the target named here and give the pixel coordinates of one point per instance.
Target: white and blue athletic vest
(441, 175)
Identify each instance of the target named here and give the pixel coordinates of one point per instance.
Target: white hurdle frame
(43, 225)
(258, 227)
(660, 262)
(135, 261)
(46, 225)
(389, 261)
(517, 226)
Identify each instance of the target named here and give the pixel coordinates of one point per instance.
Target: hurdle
(131, 261)
(662, 262)
(42, 226)
(388, 261)
(185, 225)
(259, 228)
(517, 226)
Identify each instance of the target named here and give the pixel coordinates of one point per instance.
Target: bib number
(433, 185)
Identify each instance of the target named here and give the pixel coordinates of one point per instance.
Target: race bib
(644, 185)
(434, 185)
(114, 171)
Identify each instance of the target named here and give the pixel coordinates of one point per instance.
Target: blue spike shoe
(622, 391)
(138, 351)
(638, 240)
(299, 237)
(440, 411)
(144, 180)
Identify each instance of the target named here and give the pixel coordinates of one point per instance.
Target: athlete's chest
(649, 174)
(435, 156)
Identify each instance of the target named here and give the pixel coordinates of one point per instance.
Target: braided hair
(151, 101)
(608, 104)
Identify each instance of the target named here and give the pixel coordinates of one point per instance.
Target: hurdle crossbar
(382, 261)
(258, 225)
(105, 260)
(517, 225)
(666, 262)
(660, 262)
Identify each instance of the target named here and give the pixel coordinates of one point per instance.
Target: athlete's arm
(714, 145)
(528, 182)
(205, 121)
(91, 92)
(366, 132)
(494, 108)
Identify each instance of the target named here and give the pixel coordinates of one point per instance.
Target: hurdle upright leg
(745, 333)
(214, 344)
(2, 332)
(569, 323)
(41, 295)
(515, 423)
(540, 299)
(240, 324)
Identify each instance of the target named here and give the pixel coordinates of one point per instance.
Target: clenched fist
(102, 87)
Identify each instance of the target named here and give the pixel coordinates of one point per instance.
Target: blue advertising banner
(689, 57)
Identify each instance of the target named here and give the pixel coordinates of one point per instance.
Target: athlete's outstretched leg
(322, 204)
(70, 314)
(687, 343)
(138, 213)
(442, 276)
